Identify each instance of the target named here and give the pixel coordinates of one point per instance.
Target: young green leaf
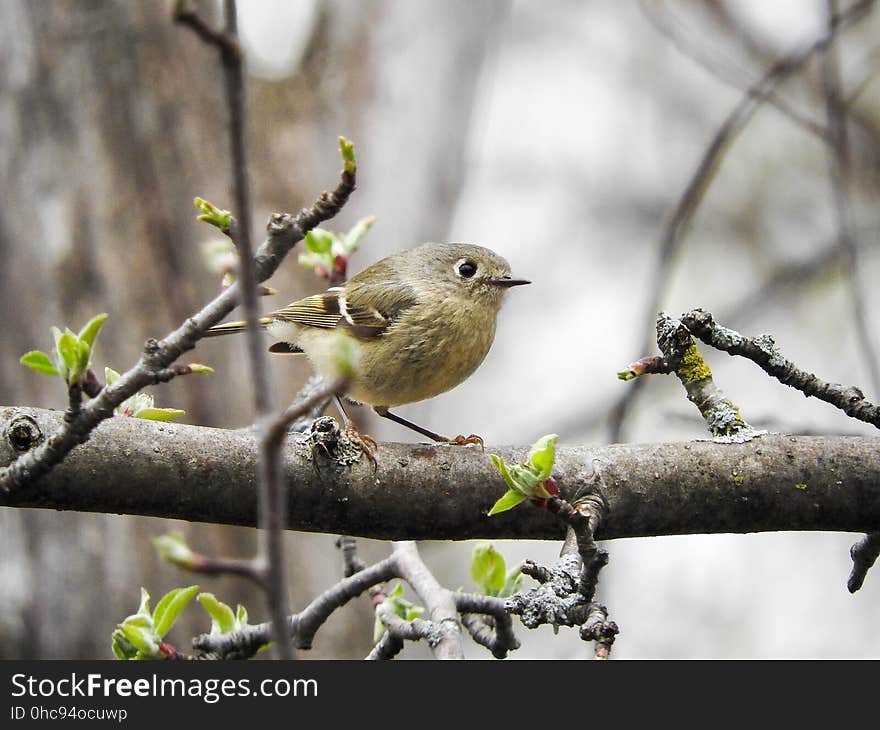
(501, 466)
(524, 479)
(110, 376)
(542, 456)
(159, 414)
(122, 648)
(510, 499)
(39, 361)
(90, 331)
(356, 233)
(319, 241)
(170, 607)
(222, 617)
(531, 480)
(378, 627)
(142, 637)
(144, 607)
(83, 355)
(68, 349)
(488, 569)
(172, 548)
(346, 149)
(213, 215)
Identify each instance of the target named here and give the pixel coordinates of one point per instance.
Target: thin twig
(272, 495)
(241, 567)
(864, 553)
(351, 561)
(686, 42)
(304, 625)
(839, 173)
(496, 633)
(184, 14)
(762, 350)
(388, 647)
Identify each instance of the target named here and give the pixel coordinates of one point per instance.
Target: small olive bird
(423, 319)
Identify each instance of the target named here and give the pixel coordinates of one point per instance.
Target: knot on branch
(327, 440)
(598, 628)
(23, 433)
(556, 601)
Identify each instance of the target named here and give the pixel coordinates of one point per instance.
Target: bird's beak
(506, 282)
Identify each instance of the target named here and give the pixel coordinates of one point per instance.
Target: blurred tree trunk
(103, 146)
(112, 121)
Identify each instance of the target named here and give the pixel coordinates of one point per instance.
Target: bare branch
(185, 14)
(304, 625)
(388, 647)
(687, 43)
(488, 622)
(722, 415)
(864, 553)
(775, 482)
(762, 350)
(242, 567)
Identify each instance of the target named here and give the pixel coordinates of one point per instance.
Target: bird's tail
(231, 328)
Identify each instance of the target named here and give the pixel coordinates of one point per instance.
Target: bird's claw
(467, 441)
(366, 443)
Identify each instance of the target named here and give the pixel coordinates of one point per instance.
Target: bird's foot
(467, 441)
(366, 443)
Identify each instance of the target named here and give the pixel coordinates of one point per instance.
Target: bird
(424, 320)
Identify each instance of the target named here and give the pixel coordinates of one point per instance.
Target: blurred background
(562, 134)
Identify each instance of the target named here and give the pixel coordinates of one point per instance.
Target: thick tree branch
(774, 482)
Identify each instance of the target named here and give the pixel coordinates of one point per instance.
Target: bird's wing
(320, 310)
(366, 309)
(369, 309)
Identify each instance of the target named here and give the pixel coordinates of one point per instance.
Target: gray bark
(771, 483)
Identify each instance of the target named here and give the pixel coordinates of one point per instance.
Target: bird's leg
(458, 440)
(367, 444)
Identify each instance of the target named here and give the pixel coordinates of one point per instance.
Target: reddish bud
(91, 387)
(168, 651)
(340, 268)
(550, 486)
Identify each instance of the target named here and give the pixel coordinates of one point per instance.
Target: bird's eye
(466, 269)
